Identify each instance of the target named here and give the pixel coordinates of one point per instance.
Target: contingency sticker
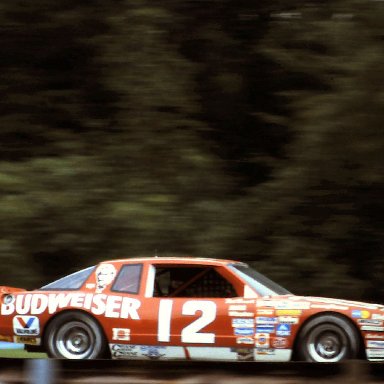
(262, 340)
(126, 351)
(243, 323)
(27, 340)
(121, 334)
(26, 326)
(283, 330)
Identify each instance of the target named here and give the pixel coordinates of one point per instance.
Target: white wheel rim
(327, 343)
(75, 340)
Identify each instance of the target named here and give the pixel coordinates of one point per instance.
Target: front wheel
(328, 338)
(74, 335)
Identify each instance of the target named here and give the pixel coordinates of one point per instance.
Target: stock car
(186, 308)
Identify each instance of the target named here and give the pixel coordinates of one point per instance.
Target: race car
(189, 309)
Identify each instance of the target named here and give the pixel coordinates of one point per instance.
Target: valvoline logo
(26, 325)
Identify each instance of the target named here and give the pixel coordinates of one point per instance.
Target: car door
(193, 312)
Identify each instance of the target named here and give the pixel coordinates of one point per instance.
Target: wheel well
(44, 335)
(361, 353)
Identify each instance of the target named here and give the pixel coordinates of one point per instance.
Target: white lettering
(129, 308)
(23, 304)
(99, 304)
(55, 301)
(39, 304)
(7, 309)
(113, 306)
(98, 307)
(77, 300)
(88, 301)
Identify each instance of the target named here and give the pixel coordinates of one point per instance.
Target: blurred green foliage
(231, 129)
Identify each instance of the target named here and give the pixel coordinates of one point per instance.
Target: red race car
(186, 308)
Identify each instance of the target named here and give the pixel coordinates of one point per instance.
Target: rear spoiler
(5, 289)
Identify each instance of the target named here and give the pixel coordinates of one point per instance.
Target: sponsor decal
(239, 301)
(370, 322)
(292, 305)
(375, 344)
(105, 274)
(243, 323)
(375, 353)
(244, 340)
(265, 329)
(372, 328)
(244, 331)
(289, 312)
(26, 326)
(360, 314)
(98, 304)
(265, 303)
(262, 340)
(278, 355)
(237, 308)
(240, 314)
(279, 342)
(152, 352)
(264, 312)
(330, 306)
(374, 336)
(243, 354)
(266, 320)
(265, 351)
(27, 340)
(124, 351)
(288, 319)
(283, 330)
(121, 334)
(377, 316)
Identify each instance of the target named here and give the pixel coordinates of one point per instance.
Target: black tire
(328, 338)
(74, 335)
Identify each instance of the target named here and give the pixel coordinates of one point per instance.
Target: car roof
(174, 260)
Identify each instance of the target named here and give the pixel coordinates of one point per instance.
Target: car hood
(304, 302)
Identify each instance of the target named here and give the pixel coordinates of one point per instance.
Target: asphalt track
(45, 371)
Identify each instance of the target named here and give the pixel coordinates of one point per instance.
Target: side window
(180, 281)
(128, 279)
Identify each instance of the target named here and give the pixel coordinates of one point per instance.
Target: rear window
(70, 282)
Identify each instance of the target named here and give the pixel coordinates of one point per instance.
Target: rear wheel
(328, 338)
(75, 335)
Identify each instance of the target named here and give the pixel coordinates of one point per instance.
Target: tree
(318, 216)
(125, 171)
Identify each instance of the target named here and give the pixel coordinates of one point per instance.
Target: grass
(21, 354)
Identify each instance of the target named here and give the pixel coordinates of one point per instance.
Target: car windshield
(260, 283)
(70, 282)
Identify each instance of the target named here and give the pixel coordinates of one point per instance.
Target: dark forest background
(250, 130)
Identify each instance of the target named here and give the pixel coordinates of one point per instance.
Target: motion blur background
(250, 130)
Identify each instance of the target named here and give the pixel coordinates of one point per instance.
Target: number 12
(191, 333)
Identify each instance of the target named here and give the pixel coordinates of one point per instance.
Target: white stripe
(164, 320)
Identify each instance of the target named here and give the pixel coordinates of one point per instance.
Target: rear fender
(6, 293)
